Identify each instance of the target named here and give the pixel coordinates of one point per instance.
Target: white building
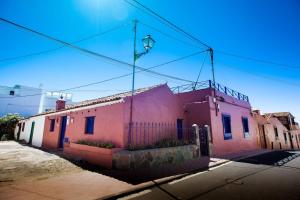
(28, 101)
(31, 130)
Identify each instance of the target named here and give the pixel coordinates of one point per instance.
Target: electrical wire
(196, 39)
(167, 35)
(265, 77)
(89, 52)
(258, 60)
(166, 22)
(58, 48)
(121, 76)
(200, 71)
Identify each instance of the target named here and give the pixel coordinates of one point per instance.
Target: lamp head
(148, 42)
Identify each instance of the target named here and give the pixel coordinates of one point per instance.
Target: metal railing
(210, 84)
(149, 133)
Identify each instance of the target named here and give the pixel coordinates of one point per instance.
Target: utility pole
(211, 51)
(133, 80)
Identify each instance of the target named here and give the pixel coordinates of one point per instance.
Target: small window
(245, 127)
(89, 125)
(276, 133)
(12, 93)
(52, 125)
(23, 126)
(226, 119)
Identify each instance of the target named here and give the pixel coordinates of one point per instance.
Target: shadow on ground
(138, 176)
(271, 158)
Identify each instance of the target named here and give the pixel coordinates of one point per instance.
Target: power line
(121, 76)
(258, 60)
(166, 22)
(167, 35)
(200, 71)
(55, 49)
(140, 70)
(194, 38)
(265, 77)
(86, 51)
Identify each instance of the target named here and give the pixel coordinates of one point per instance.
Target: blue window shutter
(226, 119)
(89, 125)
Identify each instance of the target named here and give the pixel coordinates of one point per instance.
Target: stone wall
(154, 157)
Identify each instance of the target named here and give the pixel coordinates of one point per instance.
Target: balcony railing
(210, 84)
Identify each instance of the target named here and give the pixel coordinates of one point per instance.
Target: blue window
(89, 125)
(226, 119)
(245, 127)
(52, 125)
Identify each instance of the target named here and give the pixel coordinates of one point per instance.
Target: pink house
(158, 113)
(227, 112)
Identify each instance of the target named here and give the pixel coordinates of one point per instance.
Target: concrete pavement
(236, 180)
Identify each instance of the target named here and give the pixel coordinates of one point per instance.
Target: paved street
(275, 175)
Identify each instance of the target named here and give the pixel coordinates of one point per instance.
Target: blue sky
(262, 29)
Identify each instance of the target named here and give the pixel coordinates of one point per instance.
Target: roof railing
(210, 84)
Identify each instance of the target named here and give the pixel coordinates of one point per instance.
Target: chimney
(60, 104)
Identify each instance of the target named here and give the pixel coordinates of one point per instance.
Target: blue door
(62, 131)
(180, 129)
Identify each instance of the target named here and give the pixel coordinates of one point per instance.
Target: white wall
(37, 138)
(28, 101)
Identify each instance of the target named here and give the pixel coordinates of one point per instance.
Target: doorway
(204, 145)
(180, 129)
(263, 137)
(291, 141)
(19, 131)
(31, 132)
(62, 132)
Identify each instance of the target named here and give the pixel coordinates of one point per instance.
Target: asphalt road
(274, 175)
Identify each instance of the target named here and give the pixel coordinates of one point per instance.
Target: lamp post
(148, 43)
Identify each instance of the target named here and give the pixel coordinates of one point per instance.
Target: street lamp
(148, 43)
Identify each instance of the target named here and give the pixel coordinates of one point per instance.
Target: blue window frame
(226, 119)
(89, 125)
(52, 125)
(245, 127)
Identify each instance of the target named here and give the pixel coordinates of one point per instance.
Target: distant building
(28, 101)
(288, 120)
(277, 130)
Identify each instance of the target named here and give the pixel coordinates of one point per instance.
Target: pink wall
(158, 105)
(200, 109)
(268, 123)
(94, 155)
(108, 125)
(296, 138)
(238, 141)
(269, 129)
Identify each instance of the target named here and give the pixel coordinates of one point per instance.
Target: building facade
(31, 130)
(158, 113)
(28, 101)
(274, 133)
